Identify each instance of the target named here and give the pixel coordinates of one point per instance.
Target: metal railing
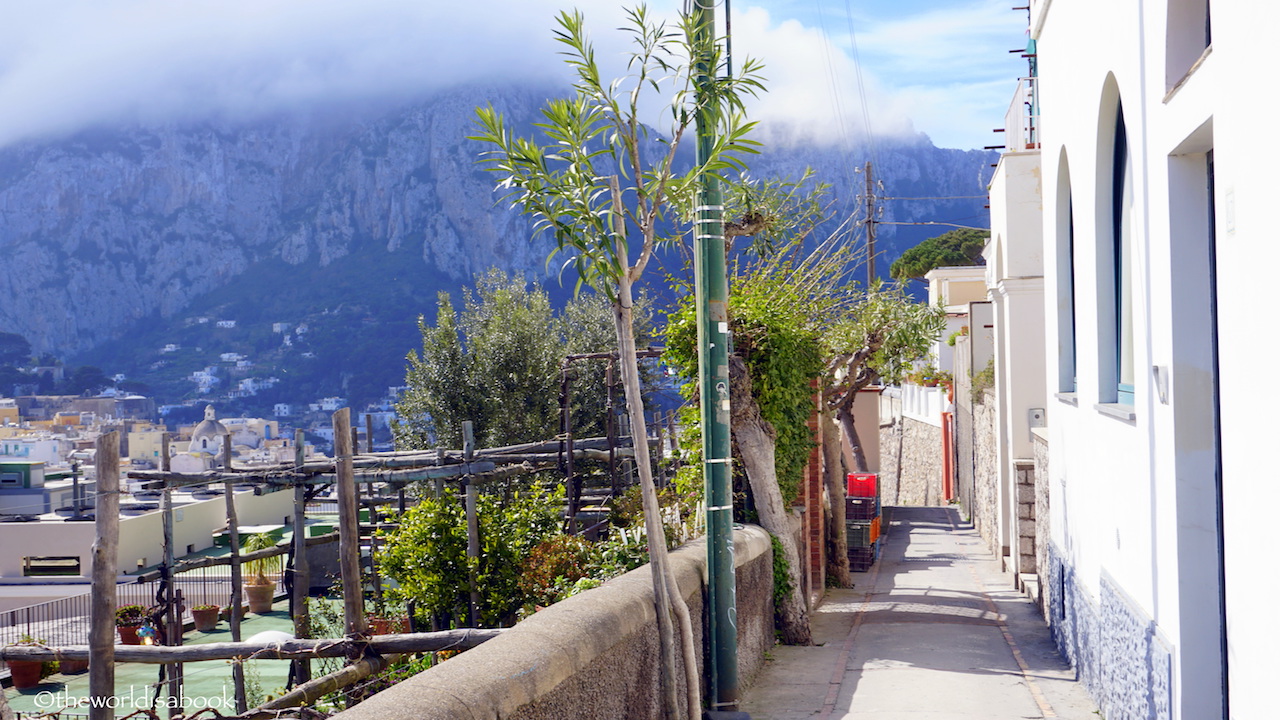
(65, 621)
(1022, 120)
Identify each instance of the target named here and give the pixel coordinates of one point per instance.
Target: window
(37, 566)
(1189, 33)
(1066, 274)
(1114, 243)
(1122, 238)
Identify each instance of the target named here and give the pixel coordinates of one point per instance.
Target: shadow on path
(933, 631)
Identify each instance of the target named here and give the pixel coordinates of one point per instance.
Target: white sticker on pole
(724, 327)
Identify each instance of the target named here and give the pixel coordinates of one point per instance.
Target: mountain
(114, 243)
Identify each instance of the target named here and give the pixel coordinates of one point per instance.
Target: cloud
(75, 64)
(813, 86)
(68, 65)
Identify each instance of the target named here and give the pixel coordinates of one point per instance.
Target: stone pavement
(933, 631)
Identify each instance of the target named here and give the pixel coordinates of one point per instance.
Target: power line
(966, 227)
(947, 197)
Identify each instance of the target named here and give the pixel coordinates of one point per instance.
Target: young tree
(886, 332)
(572, 184)
(497, 363)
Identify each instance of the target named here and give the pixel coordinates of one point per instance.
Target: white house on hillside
(1157, 231)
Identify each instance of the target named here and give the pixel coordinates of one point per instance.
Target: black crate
(860, 508)
(858, 533)
(862, 558)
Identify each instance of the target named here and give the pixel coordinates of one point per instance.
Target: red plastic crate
(863, 485)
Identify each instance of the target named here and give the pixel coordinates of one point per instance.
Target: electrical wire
(947, 197)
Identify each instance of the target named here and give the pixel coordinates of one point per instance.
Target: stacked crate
(862, 520)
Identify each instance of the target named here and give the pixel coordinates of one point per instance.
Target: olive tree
(604, 186)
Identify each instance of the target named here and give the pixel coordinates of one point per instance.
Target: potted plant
(26, 674)
(206, 617)
(128, 619)
(388, 617)
(258, 587)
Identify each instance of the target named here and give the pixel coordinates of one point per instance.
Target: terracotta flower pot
(260, 597)
(72, 667)
(24, 673)
(388, 625)
(206, 620)
(129, 634)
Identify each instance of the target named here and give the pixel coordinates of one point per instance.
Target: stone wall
(594, 655)
(1113, 646)
(1025, 478)
(986, 502)
(1042, 518)
(891, 454)
(911, 469)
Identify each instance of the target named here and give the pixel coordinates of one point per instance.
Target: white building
(1157, 240)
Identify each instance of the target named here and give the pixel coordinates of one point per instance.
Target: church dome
(209, 432)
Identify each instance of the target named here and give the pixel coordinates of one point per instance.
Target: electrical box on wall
(1035, 417)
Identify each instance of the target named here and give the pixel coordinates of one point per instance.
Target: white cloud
(74, 64)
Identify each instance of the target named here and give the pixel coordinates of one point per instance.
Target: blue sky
(940, 67)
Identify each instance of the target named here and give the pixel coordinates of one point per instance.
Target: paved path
(933, 631)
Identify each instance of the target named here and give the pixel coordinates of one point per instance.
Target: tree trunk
(666, 594)
(756, 443)
(833, 475)
(844, 414)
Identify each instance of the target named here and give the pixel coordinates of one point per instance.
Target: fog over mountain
(108, 236)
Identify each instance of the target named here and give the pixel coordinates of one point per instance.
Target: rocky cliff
(114, 229)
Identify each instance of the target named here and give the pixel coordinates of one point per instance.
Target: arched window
(1066, 278)
(1123, 243)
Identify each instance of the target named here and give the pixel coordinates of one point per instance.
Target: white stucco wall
(1133, 500)
(140, 536)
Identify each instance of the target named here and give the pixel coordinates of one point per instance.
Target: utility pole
(711, 286)
(871, 225)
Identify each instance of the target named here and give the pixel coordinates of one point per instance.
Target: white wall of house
(141, 535)
(1134, 494)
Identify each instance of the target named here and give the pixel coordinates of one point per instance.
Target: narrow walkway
(933, 631)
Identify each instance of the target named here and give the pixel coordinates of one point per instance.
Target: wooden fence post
(172, 618)
(237, 603)
(102, 608)
(301, 571)
(473, 521)
(348, 525)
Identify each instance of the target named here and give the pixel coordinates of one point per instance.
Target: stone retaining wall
(1042, 518)
(986, 496)
(911, 463)
(594, 655)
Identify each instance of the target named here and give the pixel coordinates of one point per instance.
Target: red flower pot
(129, 634)
(206, 620)
(24, 673)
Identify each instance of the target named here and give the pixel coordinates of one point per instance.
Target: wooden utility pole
(102, 608)
(237, 603)
(870, 222)
(348, 525)
(301, 571)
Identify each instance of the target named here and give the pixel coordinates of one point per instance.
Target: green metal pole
(712, 290)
